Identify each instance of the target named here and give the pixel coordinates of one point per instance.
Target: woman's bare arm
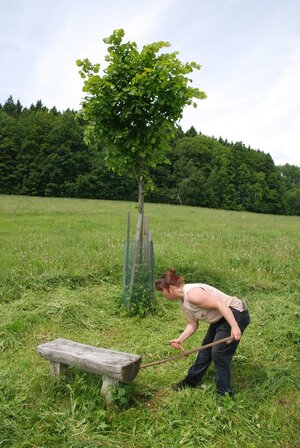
(197, 296)
(191, 327)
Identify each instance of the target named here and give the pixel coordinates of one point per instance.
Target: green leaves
(134, 106)
(88, 69)
(115, 38)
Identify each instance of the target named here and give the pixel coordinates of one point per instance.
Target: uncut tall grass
(61, 276)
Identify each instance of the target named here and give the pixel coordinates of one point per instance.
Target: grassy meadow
(61, 276)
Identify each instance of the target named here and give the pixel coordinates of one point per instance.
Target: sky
(248, 51)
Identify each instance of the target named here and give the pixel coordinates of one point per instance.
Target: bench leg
(108, 385)
(56, 369)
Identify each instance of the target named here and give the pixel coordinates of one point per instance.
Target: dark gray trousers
(221, 354)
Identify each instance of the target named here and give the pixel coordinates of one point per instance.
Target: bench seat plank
(120, 366)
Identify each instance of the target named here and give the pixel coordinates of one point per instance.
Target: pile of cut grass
(61, 276)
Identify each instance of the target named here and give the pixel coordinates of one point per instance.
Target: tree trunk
(138, 253)
(139, 229)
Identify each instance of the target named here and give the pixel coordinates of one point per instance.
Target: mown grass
(61, 276)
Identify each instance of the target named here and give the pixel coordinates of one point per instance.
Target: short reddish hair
(167, 279)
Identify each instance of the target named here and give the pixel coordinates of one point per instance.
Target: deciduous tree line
(42, 153)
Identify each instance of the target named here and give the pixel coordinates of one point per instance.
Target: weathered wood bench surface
(114, 366)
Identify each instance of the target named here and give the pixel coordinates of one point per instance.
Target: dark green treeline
(42, 153)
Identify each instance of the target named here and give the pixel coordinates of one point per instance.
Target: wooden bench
(114, 366)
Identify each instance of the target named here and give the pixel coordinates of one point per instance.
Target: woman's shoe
(183, 384)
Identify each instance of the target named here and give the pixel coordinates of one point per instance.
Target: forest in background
(42, 153)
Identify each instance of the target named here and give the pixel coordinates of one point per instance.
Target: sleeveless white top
(208, 315)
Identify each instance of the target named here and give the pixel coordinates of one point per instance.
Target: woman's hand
(176, 343)
(236, 333)
(191, 327)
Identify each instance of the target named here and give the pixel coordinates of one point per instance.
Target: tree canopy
(132, 109)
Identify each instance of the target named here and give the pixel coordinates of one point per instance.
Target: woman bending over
(227, 316)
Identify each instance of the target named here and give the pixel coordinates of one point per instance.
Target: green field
(61, 276)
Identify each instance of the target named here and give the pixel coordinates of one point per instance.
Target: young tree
(134, 106)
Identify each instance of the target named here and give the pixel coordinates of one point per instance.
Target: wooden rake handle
(187, 353)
